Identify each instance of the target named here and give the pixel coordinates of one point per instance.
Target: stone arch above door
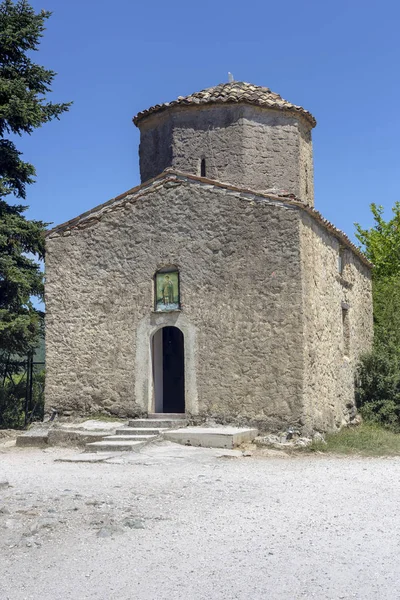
(144, 388)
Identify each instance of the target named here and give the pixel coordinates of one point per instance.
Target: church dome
(236, 133)
(234, 92)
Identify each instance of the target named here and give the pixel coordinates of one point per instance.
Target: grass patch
(366, 440)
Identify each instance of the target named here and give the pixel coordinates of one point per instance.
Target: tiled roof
(172, 177)
(232, 93)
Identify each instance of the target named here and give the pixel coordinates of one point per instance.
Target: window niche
(346, 329)
(203, 167)
(167, 289)
(341, 260)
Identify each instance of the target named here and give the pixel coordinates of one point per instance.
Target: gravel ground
(185, 523)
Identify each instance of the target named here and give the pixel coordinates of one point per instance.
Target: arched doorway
(168, 370)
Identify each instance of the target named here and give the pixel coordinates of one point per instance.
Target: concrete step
(131, 437)
(123, 446)
(172, 416)
(140, 431)
(158, 423)
(33, 438)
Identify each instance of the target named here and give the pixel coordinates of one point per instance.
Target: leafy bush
(378, 387)
(378, 375)
(386, 299)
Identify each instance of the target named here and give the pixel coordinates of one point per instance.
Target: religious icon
(167, 291)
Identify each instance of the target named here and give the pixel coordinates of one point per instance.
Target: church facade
(214, 288)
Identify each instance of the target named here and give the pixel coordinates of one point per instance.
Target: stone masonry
(242, 145)
(272, 327)
(328, 365)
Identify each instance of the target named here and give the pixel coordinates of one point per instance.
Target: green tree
(381, 243)
(24, 86)
(20, 280)
(378, 381)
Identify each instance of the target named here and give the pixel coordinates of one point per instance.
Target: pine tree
(20, 280)
(24, 86)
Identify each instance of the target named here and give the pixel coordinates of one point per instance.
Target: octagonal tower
(237, 133)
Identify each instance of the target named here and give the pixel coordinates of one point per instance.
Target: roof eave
(172, 175)
(159, 108)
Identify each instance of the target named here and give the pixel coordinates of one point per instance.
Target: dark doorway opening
(169, 370)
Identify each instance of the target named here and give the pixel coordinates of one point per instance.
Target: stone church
(214, 288)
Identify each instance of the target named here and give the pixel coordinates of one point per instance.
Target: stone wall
(241, 293)
(262, 301)
(247, 146)
(329, 366)
(306, 169)
(155, 148)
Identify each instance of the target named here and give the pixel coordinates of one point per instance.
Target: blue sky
(340, 60)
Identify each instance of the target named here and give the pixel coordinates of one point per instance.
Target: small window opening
(346, 329)
(306, 182)
(203, 167)
(341, 260)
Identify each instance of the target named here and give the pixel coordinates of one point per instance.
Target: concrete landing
(211, 437)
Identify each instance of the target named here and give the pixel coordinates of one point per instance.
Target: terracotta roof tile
(232, 93)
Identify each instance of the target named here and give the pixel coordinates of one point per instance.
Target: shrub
(378, 387)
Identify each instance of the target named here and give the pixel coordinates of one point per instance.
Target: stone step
(33, 438)
(131, 437)
(158, 423)
(140, 431)
(171, 416)
(118, 446)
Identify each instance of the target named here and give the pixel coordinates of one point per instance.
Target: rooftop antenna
(230, 78)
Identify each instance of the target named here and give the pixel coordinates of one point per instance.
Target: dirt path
(182, 523)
